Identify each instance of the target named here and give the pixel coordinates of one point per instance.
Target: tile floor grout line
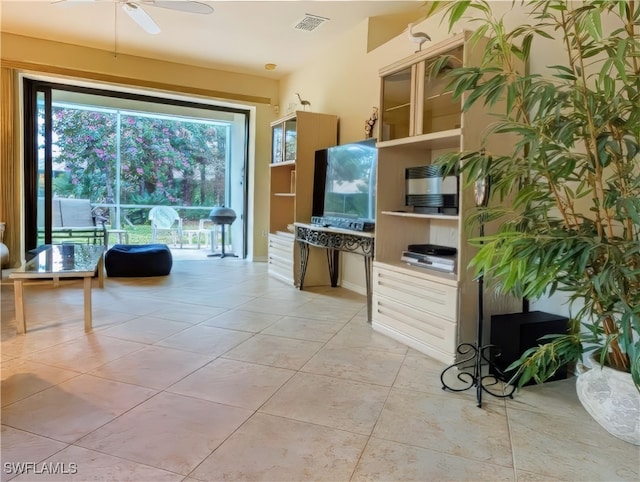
(74, 444)
(375, 424)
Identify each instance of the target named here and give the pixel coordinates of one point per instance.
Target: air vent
(310, 22)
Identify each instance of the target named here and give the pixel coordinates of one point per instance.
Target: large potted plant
(572, 178)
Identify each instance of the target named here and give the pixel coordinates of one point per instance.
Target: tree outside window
(114, 158)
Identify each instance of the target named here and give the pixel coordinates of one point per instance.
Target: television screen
(350, 181)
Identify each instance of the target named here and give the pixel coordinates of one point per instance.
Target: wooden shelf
(422, 216)
(396, 107)
(448, 93)
(449, 139)
(283, 164)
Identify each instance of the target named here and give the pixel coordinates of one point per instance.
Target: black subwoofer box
(514, 333)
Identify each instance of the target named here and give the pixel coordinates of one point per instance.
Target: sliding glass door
(127, 154)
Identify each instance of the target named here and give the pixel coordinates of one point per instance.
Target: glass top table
(60, 261)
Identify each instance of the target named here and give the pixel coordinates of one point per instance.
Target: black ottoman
(138, 260)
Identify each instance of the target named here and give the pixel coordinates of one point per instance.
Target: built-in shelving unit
(430, 310)
(295, 139)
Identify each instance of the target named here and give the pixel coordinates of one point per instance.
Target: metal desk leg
(304, 261)
(333, 258)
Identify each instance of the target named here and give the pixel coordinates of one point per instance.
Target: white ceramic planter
(612, 399)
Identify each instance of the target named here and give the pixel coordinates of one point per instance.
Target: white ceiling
(239, 36)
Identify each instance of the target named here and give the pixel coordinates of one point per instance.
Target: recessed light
(270, 66)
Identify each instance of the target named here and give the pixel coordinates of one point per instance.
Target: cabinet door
(396, 101)
(416, 99)
(277, 132)
(290, 139)
(438, 110)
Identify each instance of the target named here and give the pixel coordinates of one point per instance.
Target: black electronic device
(439, 263)
(432, 249)
(343, 223)
(344, 186)
(429, 191)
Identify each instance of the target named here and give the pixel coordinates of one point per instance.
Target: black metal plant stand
(470, 368)
(479, 355)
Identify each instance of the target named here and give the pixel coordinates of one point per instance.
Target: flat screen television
(345, 185)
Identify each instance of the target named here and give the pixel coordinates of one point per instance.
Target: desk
(60, 261)
(335, 240)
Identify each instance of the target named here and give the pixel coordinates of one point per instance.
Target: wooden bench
(74, 220)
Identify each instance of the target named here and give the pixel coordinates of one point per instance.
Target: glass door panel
(439, 111)
(396, 101)
(84, 155)
(290, 133)
(40, 159)
(125, 156)
(277, 133)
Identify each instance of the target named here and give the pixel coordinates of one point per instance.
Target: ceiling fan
(134, 9)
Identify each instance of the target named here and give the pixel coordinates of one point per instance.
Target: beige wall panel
(27, 50)
(258, 208)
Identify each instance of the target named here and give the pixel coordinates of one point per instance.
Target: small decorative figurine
(304, 103)
(417, 37)
(368, 125)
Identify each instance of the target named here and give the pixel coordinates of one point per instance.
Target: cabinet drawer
(281, 247)
(277, 241)
(281, 251)
(281, 268)
(427, 329)
(427, 296)
(281, 257)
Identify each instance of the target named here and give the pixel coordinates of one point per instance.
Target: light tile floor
(219, 373)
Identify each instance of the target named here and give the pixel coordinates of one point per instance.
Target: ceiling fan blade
(183, 6)
(141, 17)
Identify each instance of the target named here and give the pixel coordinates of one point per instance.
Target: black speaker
(429, 192)
(514, 333)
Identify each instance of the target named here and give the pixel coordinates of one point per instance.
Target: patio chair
(205, 227)
(165, 218)
(73, 220)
